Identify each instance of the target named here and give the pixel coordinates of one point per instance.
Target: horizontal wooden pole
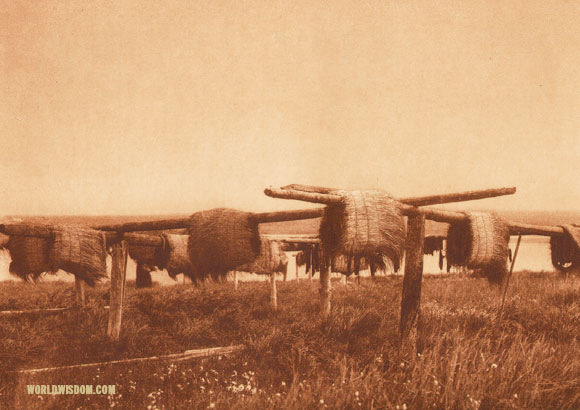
(188, 354)
(313, 197)
(46, 311)
(143, 240)
(180, 223)
(457, 197)
(316, 191)
(302, 240)
(40, 230)
(160, 225)
(517, 228)
(281, 216)
(310, 188)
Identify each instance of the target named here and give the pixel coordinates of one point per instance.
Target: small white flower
(494, 366)
(321, 401)
(211, 405)
(515, 396)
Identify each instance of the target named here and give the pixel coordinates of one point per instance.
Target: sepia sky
(139, 107)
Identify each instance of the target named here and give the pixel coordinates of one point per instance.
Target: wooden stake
(312, 248)
(411, 298)
(296, 265)
(236, 280)
(273, 291)
(507, 282)
(325, 288)
(80, 286)
(117, 292)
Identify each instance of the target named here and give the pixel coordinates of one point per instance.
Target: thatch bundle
(565, 249)
(222, 239)
(432, 244)
(348, 265)
(482, 244)
(303, 258)
(4, 241)
(150, 256)
(177, 255)
(30, 256)
(271, 259)
(366, 223)
(80, 251)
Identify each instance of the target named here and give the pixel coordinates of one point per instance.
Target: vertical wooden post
(344, 279)
(325, 287)
(117, 292)
(80, 286)
(411, 299)
(235, 280)
(311, 273)
(296, 264)
(143, 277)
(273, 291)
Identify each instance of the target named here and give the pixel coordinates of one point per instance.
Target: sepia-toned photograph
(274, 204)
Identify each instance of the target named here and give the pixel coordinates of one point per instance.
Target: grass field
(467, 359)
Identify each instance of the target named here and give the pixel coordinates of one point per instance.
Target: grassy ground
(293, 359)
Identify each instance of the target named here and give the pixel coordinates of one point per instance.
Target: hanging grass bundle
(178, 255)
(30, 256)
(482, 244)
(366, 223)
(348, 265)
(150, 256)
(222, 239)
(4, 241)
(271, 259)
(303, 258)
(80, 251)
(565, 249)
(432, 244)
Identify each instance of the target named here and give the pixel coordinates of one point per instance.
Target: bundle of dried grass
(4, 241)
(30, 256)
(301, 258)
(80, 251)
(432, 244)
(482, 244)
(271, 259)
(565, 249)
(378, 262)
(150, 256)
(367, 223)
(304, 257)
(178, 255)
(348, 265)
(222, 239)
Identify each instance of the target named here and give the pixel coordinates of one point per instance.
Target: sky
(140, 107)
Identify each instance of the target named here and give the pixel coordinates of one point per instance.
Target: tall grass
(466, 358)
